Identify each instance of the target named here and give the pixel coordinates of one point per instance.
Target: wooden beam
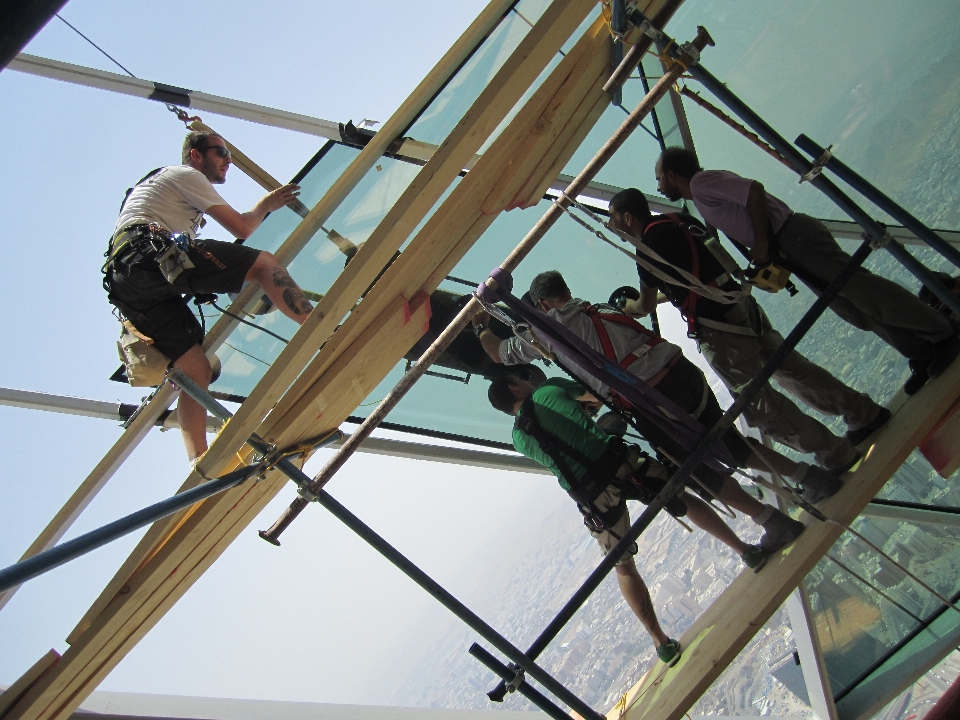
(202, 535)
(267, 393)
(724, 629)
(10, 696)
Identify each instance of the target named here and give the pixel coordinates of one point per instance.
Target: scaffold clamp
(818, 166)
(517, 680)
(878, 243)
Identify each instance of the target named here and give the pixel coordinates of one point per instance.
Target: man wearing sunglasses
(172, 201)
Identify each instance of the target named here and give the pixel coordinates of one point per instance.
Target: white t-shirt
(721, 197)
(176, 198)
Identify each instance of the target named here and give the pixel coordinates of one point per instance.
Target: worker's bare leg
(190, 414)
(283, 292)
(638, 598)
(706, 518)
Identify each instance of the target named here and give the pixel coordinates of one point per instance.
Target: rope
(247, 322)
(693, 283)
(726, 119)
(182, 115)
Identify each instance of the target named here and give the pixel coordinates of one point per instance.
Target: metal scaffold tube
(808, 171)
(874, 195)
(474, 621)
(457, 325)
(523, 687)
(72, 549)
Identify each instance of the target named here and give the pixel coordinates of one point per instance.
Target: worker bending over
(148, 273)
(737, 339)
(659, 364)
(773, 233)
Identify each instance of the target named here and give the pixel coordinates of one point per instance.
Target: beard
(672, 193)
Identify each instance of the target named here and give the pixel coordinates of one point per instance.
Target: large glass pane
(889, 107)
(457, 404)
(248, 352)
(442, 115)
(865, 606)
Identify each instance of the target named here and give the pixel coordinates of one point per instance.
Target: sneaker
(816, 483)
(860, 434)
(780, 530)
(669, 652)
(755, 558)
(942, 355)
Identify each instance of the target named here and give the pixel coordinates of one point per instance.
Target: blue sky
(323, 619)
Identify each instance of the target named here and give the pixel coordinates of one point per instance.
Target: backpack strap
(599, 473)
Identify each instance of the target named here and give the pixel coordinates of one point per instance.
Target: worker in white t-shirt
(148, 291)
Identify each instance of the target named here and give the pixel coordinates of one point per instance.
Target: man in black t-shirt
(736, 338)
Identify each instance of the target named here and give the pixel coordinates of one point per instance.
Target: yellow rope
(669, 61)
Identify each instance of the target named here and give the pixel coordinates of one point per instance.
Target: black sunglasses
(219, 149)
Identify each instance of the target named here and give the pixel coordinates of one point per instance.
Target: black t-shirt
(669, 241)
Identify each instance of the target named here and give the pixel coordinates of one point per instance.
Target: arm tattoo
(292, 295)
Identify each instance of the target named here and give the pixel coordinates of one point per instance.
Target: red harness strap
(689, 307)
(598, 319)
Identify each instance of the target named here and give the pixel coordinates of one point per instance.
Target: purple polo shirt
(721, 197)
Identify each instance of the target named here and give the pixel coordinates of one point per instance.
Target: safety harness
(601, 472)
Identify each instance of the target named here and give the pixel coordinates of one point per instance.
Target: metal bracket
(517, 680)
(878, 244)
(818, 166)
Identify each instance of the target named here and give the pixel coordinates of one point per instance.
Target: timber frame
(358, 333)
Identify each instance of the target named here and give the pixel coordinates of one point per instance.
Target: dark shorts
(157, 308)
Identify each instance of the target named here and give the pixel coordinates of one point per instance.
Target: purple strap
(687, 430)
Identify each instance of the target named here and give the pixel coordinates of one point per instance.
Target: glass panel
(852, 91)
(916, 701)
(442, 115)
(633, 164)
(248, 352)
(864, 605)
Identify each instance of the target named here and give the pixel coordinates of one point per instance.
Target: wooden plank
(941, 447)
(203, 536)
(513, 78)
(724, 629)
(304, 342)
(16, 691)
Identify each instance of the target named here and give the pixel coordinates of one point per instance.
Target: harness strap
(688, 308)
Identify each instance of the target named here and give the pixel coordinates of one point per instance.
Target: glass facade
(894, 121)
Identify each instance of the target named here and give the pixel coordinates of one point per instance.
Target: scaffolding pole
(470, 309)
(20, 572)
(473, 621)
(873, 194)
(808, 171)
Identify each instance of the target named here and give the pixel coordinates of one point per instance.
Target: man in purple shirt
(771, 231)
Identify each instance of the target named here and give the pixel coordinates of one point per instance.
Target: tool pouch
(770, 278)
(145, 365)
(174, 259)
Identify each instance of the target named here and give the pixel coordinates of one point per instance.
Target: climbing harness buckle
(819, 164)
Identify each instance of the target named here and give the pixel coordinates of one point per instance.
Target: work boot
(817, 483)
(918, 377)
(779, 530)
(860, 434)
(942, 355)
(669, 652)
(755, 558)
